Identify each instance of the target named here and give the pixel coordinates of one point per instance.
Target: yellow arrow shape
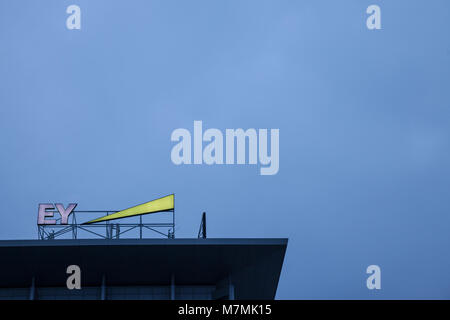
(162, 204)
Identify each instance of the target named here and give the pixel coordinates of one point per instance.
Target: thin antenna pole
(204, 225)
(173, 215)
(202, 229)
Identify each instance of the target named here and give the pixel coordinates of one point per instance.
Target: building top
(253, 265)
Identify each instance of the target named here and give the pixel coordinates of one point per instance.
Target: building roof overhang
(253, 264)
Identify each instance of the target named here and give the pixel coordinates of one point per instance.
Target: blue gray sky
(364, 117)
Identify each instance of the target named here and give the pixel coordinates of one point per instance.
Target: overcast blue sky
(364, 117)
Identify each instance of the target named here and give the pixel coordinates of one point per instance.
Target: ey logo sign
(46, 213)
(46, 210)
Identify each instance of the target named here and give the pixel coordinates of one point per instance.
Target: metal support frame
(111, 230)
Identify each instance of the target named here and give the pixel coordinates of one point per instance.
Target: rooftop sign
(162, 204)
(53, 220)
(46, 210)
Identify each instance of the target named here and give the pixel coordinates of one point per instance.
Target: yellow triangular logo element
(162, 204)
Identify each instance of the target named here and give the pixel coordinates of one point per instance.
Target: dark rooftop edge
(165, 242)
